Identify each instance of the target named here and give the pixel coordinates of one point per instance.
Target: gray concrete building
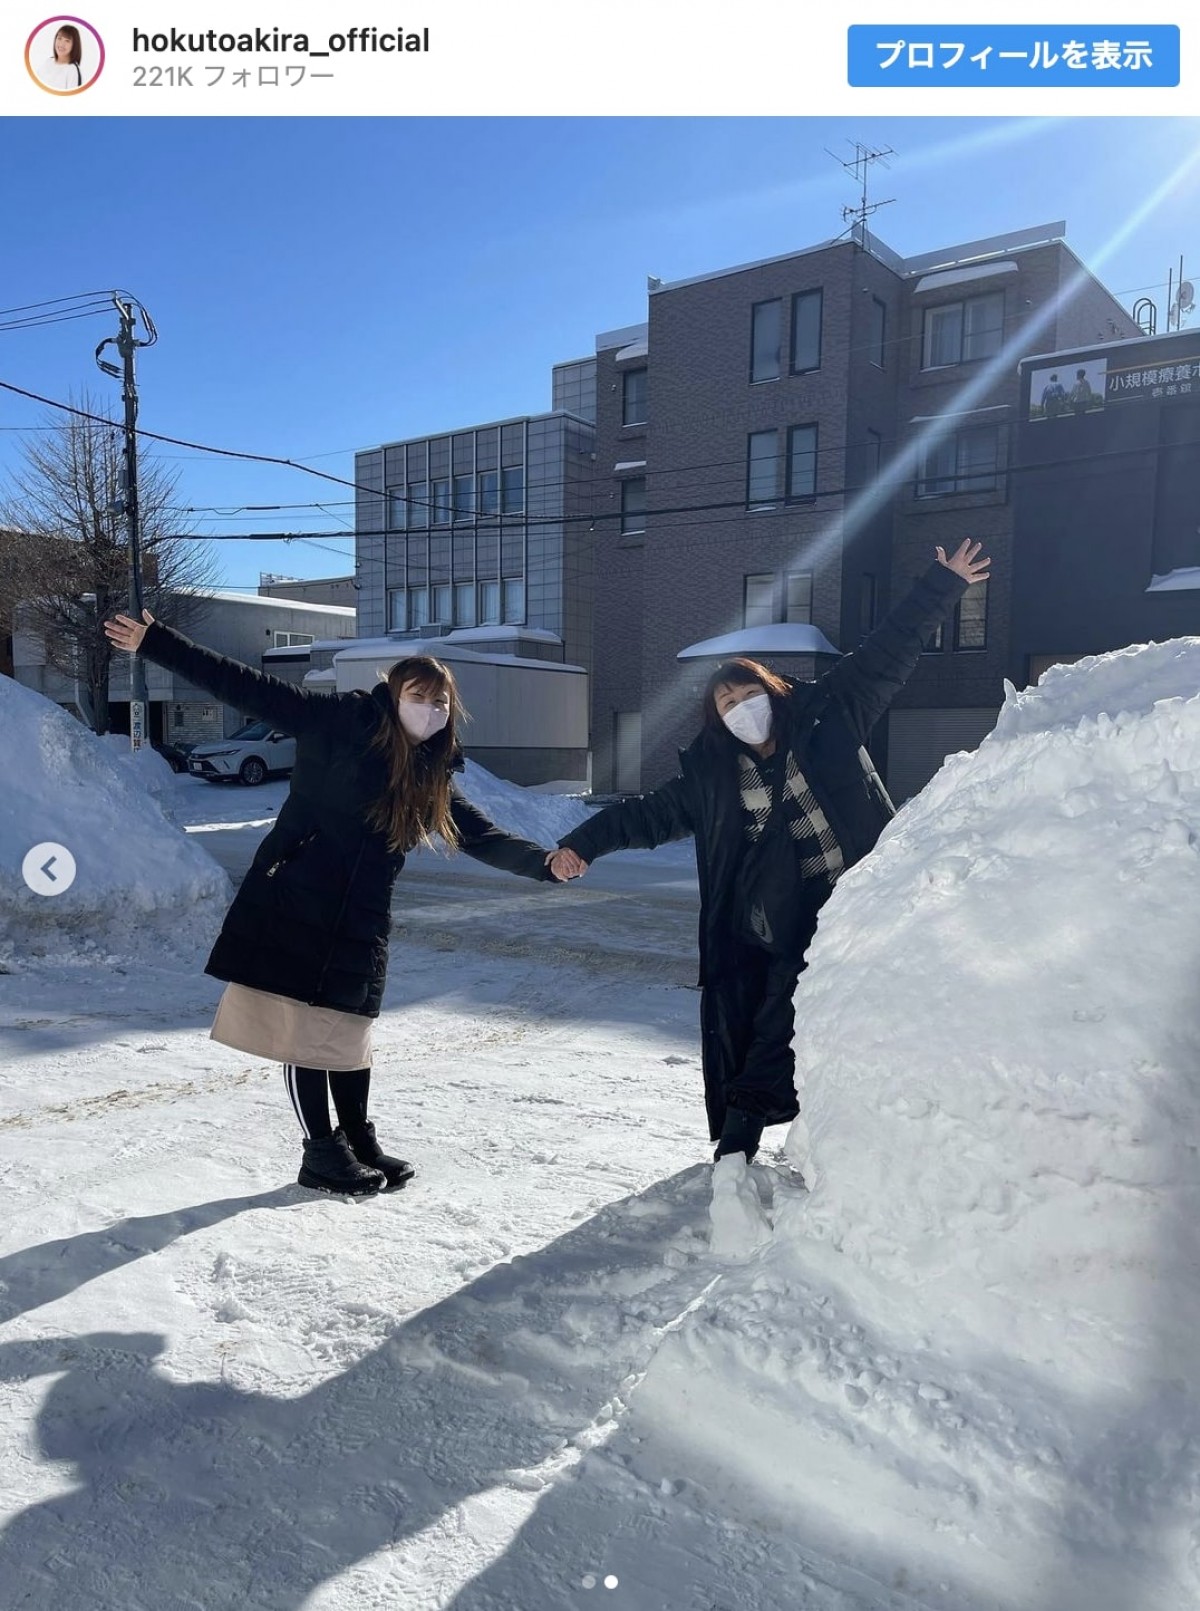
(782, 444)
(481, 530)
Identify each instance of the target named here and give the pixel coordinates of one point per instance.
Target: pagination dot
(610, 1582)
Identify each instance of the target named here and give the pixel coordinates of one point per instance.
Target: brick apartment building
(786, 442)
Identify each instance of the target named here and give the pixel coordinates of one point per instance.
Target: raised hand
(964, 561)
(125, 633)
(565, 864)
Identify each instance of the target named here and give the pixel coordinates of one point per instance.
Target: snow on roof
(388, 650)
(607, 339)
(627, 465)
(323, 679)
(982, 271)
(635, 349)
(227, 597)
(1181, 581)
(789, 637)
(1064, 353)
(958, 413)
(501, 634)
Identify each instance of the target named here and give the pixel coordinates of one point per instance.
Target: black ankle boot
(330, 1165)
(740, 1133)
(366, 1149)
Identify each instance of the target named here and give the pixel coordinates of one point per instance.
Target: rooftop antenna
(860, 167)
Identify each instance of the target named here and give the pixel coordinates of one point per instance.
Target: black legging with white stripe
(309, 1090)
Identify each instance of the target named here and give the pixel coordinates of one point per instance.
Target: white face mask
(419, 720)
(750, 719)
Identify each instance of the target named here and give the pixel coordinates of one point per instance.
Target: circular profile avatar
(64, 55)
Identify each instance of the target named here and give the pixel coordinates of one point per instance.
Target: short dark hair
(740, 672)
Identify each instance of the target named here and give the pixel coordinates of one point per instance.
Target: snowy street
(220, 1390)
(572, 1363)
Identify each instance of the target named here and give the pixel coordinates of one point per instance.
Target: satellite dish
(1187, 296)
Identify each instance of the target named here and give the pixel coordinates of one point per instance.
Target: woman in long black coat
(781, 796)
(304, 946)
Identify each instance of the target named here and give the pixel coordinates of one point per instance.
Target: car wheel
(253, 771)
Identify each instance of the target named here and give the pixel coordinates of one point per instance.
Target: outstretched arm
(479, 836)
(867, 680)
(641, 823)
(294, 710)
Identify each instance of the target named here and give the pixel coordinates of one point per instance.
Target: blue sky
(326, 284)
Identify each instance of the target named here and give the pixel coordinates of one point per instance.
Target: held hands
(964, 562)
(565, 864)
(125, 633)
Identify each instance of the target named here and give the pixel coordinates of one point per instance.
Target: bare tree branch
(64, 569)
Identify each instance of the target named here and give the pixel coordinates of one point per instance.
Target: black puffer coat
(825, 724)
(312, 917)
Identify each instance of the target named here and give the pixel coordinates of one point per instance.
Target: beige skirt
(287, 1031)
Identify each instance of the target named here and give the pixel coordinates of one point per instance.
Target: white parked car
(251, 755)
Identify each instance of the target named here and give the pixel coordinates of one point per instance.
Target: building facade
(481, 530)
(1106, 501)
(256, 631)
(785, 442)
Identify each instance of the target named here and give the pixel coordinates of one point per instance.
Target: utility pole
(127, 343)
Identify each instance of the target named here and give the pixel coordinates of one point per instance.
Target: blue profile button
(1008, 56)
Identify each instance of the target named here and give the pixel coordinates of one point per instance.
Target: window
(418, 606)
(935, 641)
(968, 461)
(806, 331)
(464, 497)
(489, 603)
(292, 640)
(798, 598)
(397, 510)
(766, 341)
(970, 618)
(634, 391)
(802, 462)
(633, 505)
(961, 332)
(874, 455)
(489, 492)
(441, 502)
(866, 603)
(441, 602)
(418, 505)
(464, 604)
(512, 490)
(514, 600)
(758, 602)
(762, 470)
(397, 609)
(877, 339)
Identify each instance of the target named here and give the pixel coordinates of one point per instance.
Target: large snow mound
(969, 1354)
(544, 818)
(135, 870)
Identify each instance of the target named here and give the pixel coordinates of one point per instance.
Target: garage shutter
(920, 740)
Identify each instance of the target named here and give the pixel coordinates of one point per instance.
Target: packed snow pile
(967, 1360)
(134, 870)
(544, 818)
(147, 768)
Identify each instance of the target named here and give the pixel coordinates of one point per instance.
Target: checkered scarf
(819, 853)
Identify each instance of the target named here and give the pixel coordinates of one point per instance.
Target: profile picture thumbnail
(64, 55)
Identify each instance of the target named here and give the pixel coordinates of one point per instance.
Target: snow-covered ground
(556, 1370)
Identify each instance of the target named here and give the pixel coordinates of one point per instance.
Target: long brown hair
(738, 672)
(415, 804)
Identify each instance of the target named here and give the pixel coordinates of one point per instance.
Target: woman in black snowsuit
(782, 797)
(304, 946)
